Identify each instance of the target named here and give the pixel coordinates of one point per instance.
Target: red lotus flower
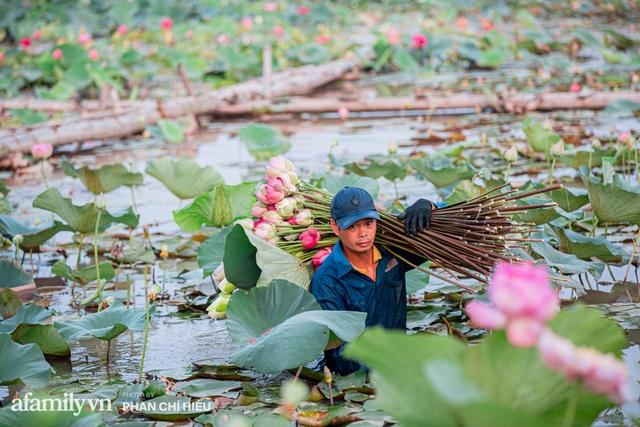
(1, 56)
(419, 40)
(57, 55)
(25, 43)
(303, 10)
(166, 23)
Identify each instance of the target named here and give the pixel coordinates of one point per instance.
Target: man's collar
(343, 266)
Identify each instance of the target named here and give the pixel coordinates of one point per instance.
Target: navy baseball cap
(352, 204)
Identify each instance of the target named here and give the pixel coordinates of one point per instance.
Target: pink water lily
(57, 55)
(267, 232)
(271, 193)
(42, 151)
(25, 43)
(574, 87)
(1, 56)
(166, 23)
(419, 40)
(122, 30)
(320, 256)
(224, 39)
(310, 238)
(624, 137)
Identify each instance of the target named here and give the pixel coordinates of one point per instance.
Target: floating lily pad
(22, 363)
(13, 275)
(105, 179)
(84, 275)
(615, 202)
(33, 236)
(334, 184)
(442, 171)
(207, 387)
(218, 208)
(46, 337)
(105, 325)
(30, 314)
(389, 169)
(82, 219)
(585, 247)
(183, 177)
(576, 158)
(567, 263)
(175, 408)
(264, 141)
(263, 318)
(211, 251)
(250, 261)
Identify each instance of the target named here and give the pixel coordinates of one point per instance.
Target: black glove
(416, 217)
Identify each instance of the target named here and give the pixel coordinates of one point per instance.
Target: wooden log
(295, 81)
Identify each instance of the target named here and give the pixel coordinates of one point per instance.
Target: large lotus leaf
(175, 408)
(443, 172)
(105, 179)
(5, 206)
(567, 263)
(85, 275)
(492, 58)
(454, 150)
(33, 236)
(465, 190)
(586, 36)
(570, 199)
(616, 202)
(539, 137)
(334, 184)
(22, 363)
(254, 320)
(206, 387)
(9, 303)
(585, 247)
(537, 216)
(46, 337)
(251, 313)
(623, 107)
(105, 325)
(389, 169)
(82, 218)
(9, 417)
(183, 177)
(171, 130)
(405, 61)
(312, 53)
(264, 141)
(13, 275)
(211, 251)
(27, 314)
(250, 261)
(417, 279)
(218, 208)
(4, 190)
(137, 254)
(576, 158)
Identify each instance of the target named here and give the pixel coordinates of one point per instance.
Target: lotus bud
(272, 217)
(334, 143)
(291, 237)
(596, 144)
(17, 239)
(225, 287)
(304, 218)
(37, 221)
(258, 209)
(546, 125)
(42, 151)
(613, 130)
(624, 137)
(299, 198)
(108, 301)
(279, 162)
(218, 308)
(154, 291)
(327, 376)
(286, 207)
(218, 273)
(343, 112)
(101, 204)
(266, 232)
(310, 238)
(557, 149)
(512, 154)
(245, 223)
(164, 251)
(393, 147)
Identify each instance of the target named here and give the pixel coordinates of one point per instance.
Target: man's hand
(416, 217)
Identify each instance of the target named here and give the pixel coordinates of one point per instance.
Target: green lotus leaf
(264, 141)
(5, 206)
(105, 325)
(622, 107)
(219, 207)
(312, 53)
(576, 158)
(492, 58)
(134, 255)
(28, 117)
(183, 177)
(30, 314)
(455, 150)
(34, 237)
(236, 418)
(405, 61)
(171, 130)
(570, 199)
(334, 184)
(105, 179)
(389, 169)
(9, 303)
(13, 275)
(22, 363)
(262, 319)
(539, 138)
(46, 337)
(586, 247)
(567, 263)
(615, 202)
(211, 251)
(84, 275)
(465, 190)
(537, 216)
(175, 408)
(82, 219)
(53, 418)
(618, 39)
(206, 387)
(442, 172)
(250, 261)
(417, 279)
(586, 36)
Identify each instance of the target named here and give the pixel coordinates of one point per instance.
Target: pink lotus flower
(278, 30)
(624, 137)
(57, 55)
(419, 40)
(323, 38)
(320, 256)
(393, 36)
(522, 302)
(270, 6)
(310, 238)
(223, 38)
(555, 351)
(42, 151)
(166, 23)
(267, 232)
(258, 209)
(1, 56)
(93, 54)
(286, 207)
(279, 162)
(84, 38)
(271, 193)
(304, 218)
(272, 217)
(487, 25)
(343, 112)
(303, 10)
(37, 35)
(122, 30)
(246, 23)
(258, 222)
(574, 87)
(25, 43)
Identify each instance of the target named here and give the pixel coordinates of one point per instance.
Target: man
(360, 276)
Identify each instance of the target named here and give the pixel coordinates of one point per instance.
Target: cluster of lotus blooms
(523, 304)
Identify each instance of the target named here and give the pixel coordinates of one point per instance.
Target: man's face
(358, 237)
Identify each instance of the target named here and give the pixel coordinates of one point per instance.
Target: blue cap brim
(348, 220)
